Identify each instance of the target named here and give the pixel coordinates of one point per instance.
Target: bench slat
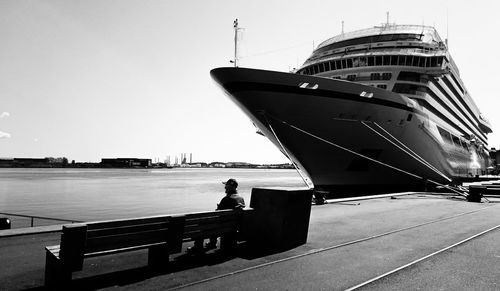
(209, 233)
(127, 222)
(110, 230)
(212, 220)
(121, 250)
(125, 240)
(204, 215)
(205, 227)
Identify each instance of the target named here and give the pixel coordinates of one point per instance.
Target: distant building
(34, 162)
(6, 163)
(126, 163)
(239, 165)
(29, 162)
(194, 165)
(217, 165)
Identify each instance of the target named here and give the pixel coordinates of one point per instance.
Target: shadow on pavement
(177, 264)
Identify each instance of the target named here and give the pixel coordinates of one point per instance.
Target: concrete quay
(348, 244)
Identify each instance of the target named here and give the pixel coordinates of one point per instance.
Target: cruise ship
(380, 109)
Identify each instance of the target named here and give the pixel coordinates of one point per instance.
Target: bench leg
(158, 257)
(56, 276)
(228, 242)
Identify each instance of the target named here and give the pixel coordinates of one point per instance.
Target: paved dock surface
(348, 244)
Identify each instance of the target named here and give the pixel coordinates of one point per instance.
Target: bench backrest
(87, 239)
(207, 224)
(80, 239)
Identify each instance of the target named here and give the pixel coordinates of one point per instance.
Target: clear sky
(88, 79)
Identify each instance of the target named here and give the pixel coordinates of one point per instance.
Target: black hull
(347, 137)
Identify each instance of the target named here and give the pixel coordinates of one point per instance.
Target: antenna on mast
(235, 25)
(342, 27)
(387, 16)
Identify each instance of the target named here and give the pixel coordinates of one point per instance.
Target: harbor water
(99, 194)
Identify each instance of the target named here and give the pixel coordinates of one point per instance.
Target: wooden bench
(161, 235)
(225, 223)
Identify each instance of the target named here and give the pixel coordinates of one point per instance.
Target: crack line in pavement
(421, 259)
(312, 252)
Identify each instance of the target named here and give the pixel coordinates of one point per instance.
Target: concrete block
(280, 219)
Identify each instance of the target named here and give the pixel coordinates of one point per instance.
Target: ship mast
(235, 25)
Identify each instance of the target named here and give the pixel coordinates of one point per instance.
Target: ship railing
(32, 218)
(381, 29)
(385, 51)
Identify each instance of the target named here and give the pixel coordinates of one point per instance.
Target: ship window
(321, 68)
(355, 62)
(349, 63)
(445, 135)
(434, 61)
(338, 65)
(370, 61)
(382, 86)
(394, 60)
(387, 60)
(327, 66)
(415, 61)
(362, 61)
(375, 76)
(386, 76)
(409, 76)
(402, 60)
(457, 83)
(408, 60)
(351, 77)
(422, 62)
(344, 64)
(439, 61)
(378, 60)
(456, 141)
(336, 77)
(450, 86)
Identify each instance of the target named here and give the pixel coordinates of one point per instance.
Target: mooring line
(366, 157)
(288, 155)
(421, 259)
(406, 150)
(351, 151)
(312, 252)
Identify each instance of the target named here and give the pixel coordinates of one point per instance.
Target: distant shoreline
(182, 166)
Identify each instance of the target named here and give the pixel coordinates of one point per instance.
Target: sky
(92, 79)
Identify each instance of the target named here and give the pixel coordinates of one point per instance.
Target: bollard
(475, 193)
(4, 223)
(319, 197)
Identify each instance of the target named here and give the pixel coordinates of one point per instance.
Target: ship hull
(348, 138)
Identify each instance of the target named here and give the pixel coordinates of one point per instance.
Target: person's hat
(231, 182)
